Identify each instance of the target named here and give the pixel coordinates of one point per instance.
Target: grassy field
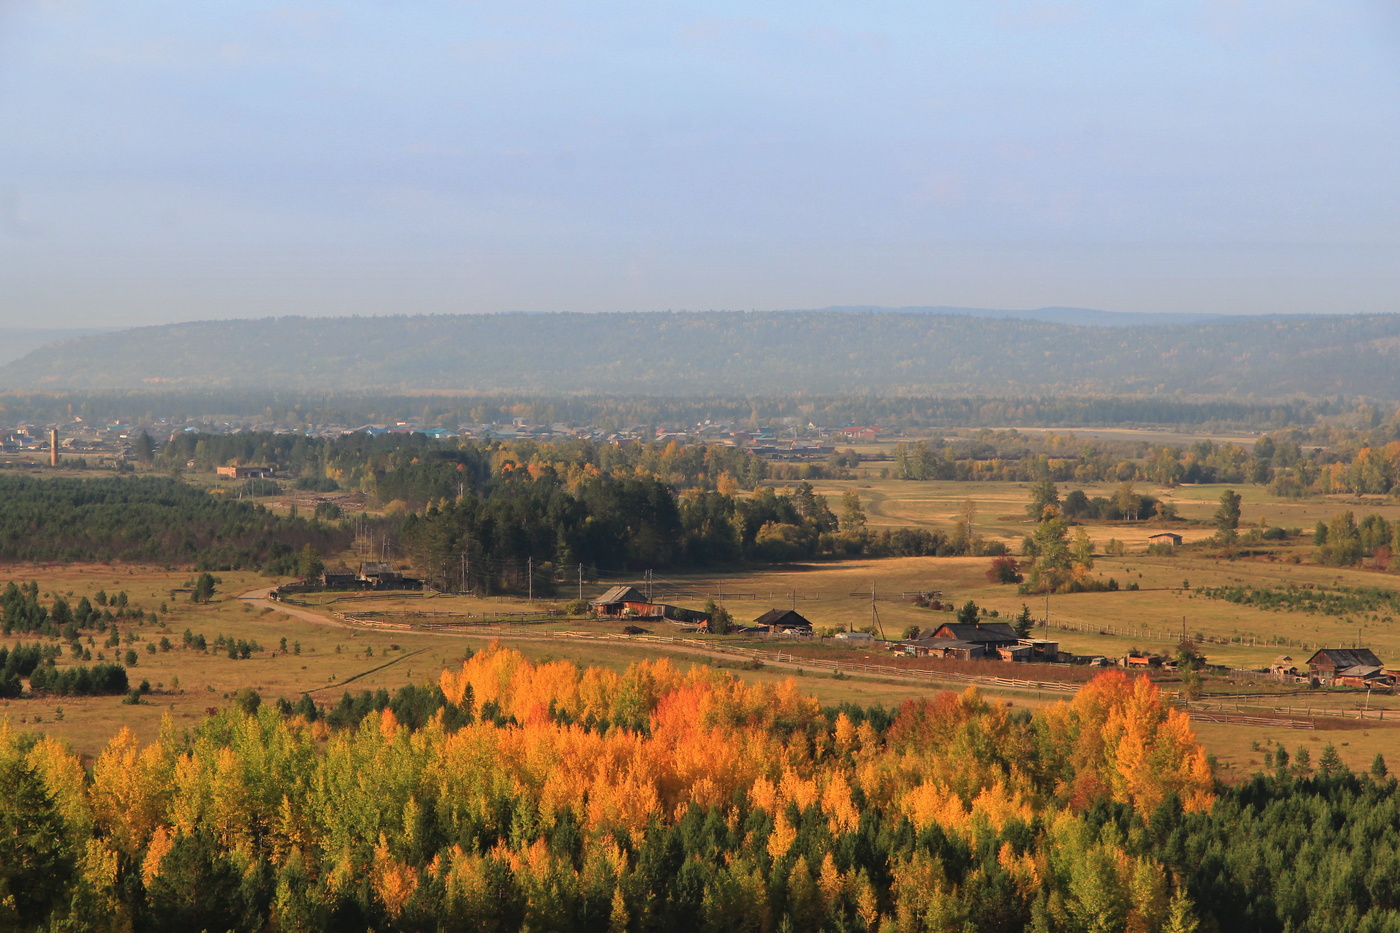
(186, 683)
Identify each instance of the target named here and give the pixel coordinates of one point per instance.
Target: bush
(248, 700)
(1004, 569)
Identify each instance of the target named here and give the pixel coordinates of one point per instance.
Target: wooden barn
(783, 622)
(1350, 666)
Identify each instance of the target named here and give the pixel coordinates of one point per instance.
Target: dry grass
(834, 595)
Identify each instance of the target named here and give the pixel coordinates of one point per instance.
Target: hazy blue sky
(176, 160)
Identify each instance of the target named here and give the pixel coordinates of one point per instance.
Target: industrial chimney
(53, 447)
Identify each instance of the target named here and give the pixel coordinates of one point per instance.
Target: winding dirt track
(262, 598)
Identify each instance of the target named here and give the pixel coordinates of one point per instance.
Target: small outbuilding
(1165, 537)
(246, 472)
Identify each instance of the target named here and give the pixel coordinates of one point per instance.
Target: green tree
(248, 700)
(144, 449)
(203, 588)
(1329, 762)
(1024, 623)
(309, 564)
(852, 515)
(1227, 517)
(1082, 552)
(967, 615)
(1127, 501)
(35, 861)
(1378, 767)
(1044, 493)
(1050, 544)
(721, 622)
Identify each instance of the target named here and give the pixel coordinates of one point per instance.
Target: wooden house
(1165, 537)
(1354, 665)
(783, 622)
(380, 575)
(992, 634)
(622, 600)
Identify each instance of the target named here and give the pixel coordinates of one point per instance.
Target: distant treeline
(846, 352)
(912, 411)
(1362, 462)
(416, 469)
(149, 519)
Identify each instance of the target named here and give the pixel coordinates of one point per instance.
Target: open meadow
(1158, 597)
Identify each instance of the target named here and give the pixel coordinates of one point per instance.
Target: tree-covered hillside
(767, 352)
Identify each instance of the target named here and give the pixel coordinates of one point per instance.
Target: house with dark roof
(992, 634)
(783, 621)
(1350, 666)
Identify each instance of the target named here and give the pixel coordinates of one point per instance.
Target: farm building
(1165, 537)
(381, 575)
(340, 578)
(992, 634)
(246, 472)
(997, 640)
(633, 603)
(855, 638)
(619, 600)
(1353, 667)
(783, 621)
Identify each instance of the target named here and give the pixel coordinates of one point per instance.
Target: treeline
(530, 527)
(591, 800)
(291, 410)
(1338, 601)
(149, 519)
(21, 611)
(415, 469)
(1281, 462)
(1343, 542)
(80, 680)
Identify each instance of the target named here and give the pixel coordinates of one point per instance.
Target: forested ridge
(518, 795)
(687, 353)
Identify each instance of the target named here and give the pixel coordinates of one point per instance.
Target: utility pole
(580, 581)
(530, 573)
(875, 614)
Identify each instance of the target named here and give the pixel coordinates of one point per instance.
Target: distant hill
(688, 353)
(1076, 317)
(15, 342)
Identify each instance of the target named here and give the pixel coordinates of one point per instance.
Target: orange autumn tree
(1124, 740)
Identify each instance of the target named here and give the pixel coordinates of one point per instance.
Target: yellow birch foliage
(130, 789)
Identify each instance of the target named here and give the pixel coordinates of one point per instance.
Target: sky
(169, 161)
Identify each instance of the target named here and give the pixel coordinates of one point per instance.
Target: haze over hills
(688, 353)
(15, 342)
